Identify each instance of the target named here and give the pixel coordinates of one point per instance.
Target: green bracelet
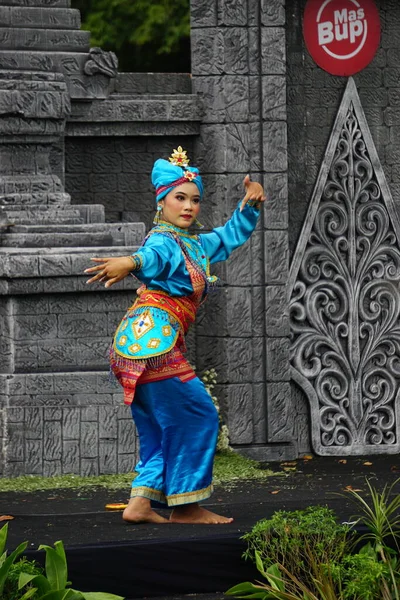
(254, 203)
(137, 262)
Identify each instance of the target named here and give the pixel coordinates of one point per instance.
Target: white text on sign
(348, 24)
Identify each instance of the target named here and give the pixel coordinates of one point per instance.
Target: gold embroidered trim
(154, 343)
(164, 226)
(142, 325)
(189, 497)
(150, 493)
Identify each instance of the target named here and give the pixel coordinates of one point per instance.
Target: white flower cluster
(209, 378)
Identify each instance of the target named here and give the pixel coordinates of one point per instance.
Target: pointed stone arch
(344, 297)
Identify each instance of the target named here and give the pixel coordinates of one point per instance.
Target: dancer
(176, 420)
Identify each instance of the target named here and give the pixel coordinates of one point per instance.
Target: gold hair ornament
(179, 157)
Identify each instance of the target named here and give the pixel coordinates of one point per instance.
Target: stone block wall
(239, 72)
(55, 331)
(313, 98)
(61, 413)
(115, 171)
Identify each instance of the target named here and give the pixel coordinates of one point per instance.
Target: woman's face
(181, 205)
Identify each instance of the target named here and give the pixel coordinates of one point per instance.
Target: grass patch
(228, 467)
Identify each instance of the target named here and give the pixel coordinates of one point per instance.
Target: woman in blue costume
(175, 417)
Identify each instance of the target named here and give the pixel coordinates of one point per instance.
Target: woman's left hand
(254, 191)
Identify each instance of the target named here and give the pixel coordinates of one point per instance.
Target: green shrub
(288, 539)
(306, 555)
(7, 560)
(23, 565)
(360, 576)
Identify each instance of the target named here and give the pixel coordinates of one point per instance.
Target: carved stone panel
(345, 297)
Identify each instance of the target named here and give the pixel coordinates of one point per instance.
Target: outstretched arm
(219, 244)
(157, 259)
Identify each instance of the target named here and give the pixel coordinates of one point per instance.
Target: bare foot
(139, 511)
(193, 513)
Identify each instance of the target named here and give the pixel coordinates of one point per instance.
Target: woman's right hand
(111, 269)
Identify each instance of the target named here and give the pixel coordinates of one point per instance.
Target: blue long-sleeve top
(162, 261)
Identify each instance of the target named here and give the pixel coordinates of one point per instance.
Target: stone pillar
(239, 70)
(33, 110)
(40, 35)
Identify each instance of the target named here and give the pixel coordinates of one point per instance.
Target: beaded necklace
(190, 245)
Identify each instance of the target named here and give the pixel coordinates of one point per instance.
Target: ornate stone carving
(345, 300)
(103, 62)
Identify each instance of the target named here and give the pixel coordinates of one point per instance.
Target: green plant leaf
(100, 596)
(259, 563)
(3, 538)
(243, 590)
(4, 569)
(274, 576)
(39, 581)
(31, 592)
(74, 595)
(368, 550)
(59, 548)
(56, 567)
(62, 595)
(24, 579)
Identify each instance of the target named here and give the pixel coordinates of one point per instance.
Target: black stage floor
(167, 560)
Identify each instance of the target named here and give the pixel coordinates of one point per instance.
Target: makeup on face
(181, 205)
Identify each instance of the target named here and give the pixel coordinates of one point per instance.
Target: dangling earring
(157, 216)
(198, 224)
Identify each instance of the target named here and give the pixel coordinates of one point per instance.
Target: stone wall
(239, 72)
(63, 415)
(313, 98)
(115, 171)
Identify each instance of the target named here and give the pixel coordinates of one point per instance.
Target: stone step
(55, 240)
(65, 218)
(49, 104)
(153, 83)
(28, 76)
(16, 263)
(123, 109)
(40, 17)
(20, 214)
(122, 233)
(9, 200)
(79, 213)
(71, 64)
(25, 3)
(24, 184)
(51, 40)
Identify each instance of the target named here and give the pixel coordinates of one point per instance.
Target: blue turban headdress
(167, 175)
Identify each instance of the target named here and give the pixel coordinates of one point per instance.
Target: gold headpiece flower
(179, 158)
(189, 175)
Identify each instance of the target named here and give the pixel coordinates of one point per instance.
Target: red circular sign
(342, 36)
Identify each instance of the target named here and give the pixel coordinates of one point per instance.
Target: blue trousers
(177, 425)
